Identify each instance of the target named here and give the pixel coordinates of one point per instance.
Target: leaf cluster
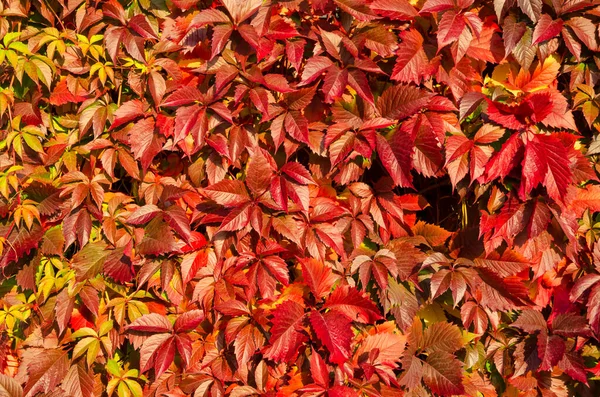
(299, 198)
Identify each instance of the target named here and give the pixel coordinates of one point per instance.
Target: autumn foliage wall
(299, 198)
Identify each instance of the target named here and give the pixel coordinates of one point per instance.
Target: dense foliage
(299, 198)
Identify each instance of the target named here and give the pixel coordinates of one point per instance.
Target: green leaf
(113, 367)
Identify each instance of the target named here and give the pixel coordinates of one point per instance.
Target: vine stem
(120, 94)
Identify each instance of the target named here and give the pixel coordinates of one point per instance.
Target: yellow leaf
(17, 216)
(123, 390)
(432, 313)
(28, 217)
(92, 352)
(112, 384)
(82, 346)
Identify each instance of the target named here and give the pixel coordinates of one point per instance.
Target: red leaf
(164, 356)
(546, 162)
(412, 63)
(450, 28)
(237, 219)
(359, 82)
(318, 276)
(570, 325)
(353, 304)
(319, 370)
(359, 9)
(62, 95)
(314, 68)
(140, 24)
(398, 168)
(335, 333)
(177, 218)
(297, 126)
(209, 16)
(221, 34)
(530, 321)
(504, 266)
(402, 101)
(335, 82)
(573, 365)
(443, 373)
(143, 214)
(585, 30)
(517, 117)
(46, 369)
(228, 193)
(183, 96)
(582, 285)
(294, 51)
(152, 322)
(118, 266)
(151, 346)
(285, 336)
(469, 103)
(437, 6)
(188, 321)
(470, 313)
(297, 172)
(191, 264)
(531, 8)
(158, 239)
(240, 11)
(279, 192)
(258, 173)
(502, 293)
(550, 350)
(546, 28)
(341, 391)
(587, 198)
(232, 308)
(394, 9)
(145, 143)
(509, 156)
(512, 33)
(300, 99)
(78, 382)
(90, 298)
(247, 341)
(64, 308)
